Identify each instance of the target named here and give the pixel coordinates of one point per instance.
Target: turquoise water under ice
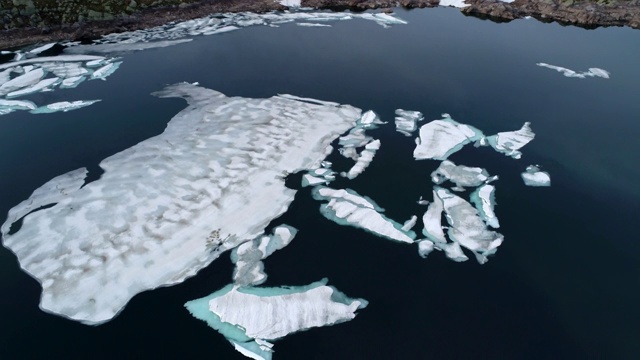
(565, 283)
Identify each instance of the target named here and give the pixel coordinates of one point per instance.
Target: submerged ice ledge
(168, 206)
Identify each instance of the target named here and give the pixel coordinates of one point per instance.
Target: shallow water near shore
(564, 283)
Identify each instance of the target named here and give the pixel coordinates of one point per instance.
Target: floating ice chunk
(312, 24)
(364, 159)
(425, 247)
(467, 228)
(248, 257)
(409, 224)
(16, 105)
(310, 180)
(355, 138)
(42, 48)
(369, 120)
(23, 81)
(454, 3)
(484, 200)
(119, 48)
(441, 138)
(346, 207)
(45, 59)
(43, 85)
(98, 62)
(453, 251)
(510, 142)
(534, 177)
(432, 220)
(570, 73)
(406, 121)
(168, 206)
(462, 176)
(422, 201)
(63, 106)
(106, 70)
(250, 317)
(221, 30)
(72, 82)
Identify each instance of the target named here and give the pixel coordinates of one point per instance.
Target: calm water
(565, 284)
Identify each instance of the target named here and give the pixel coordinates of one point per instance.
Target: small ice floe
(346, 207)
(422, 201)
(593, 72)
(462, 176)
(8, 106)
(484, 200)
(251, 318)
(441, 138)
(23, 81)
(103, 72)
(369, 120)
(409, 224)
(305, 24)
(63, 106)
(42, 48)
(248, 257)
(454, 3)
(510, 142)
(533, 176)
(406, 121)
(425, 247)
(363, 160)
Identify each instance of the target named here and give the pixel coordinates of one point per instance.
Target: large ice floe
(441, 138)
(592, 72)
(251, 317)
(533, 176)
(168, 206)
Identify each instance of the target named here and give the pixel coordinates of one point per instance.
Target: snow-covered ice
(441, 138)
(533, 176)
(462, 176)
(510, 142)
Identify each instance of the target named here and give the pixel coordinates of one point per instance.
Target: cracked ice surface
(441, 138)
(346, 207)
(534, 177)
(462, 176)
(168, 206)
(510, 142)
(248, 257)
(593, 72)
(251, 317)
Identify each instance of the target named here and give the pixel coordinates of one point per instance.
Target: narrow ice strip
(432, 221)
(308, 100)
(325, 193)
(312, 24)
(510, 142)
(406, 121)
(454, 3)
(359, 213)
(364, 159)
(534, 177)
(16, 105)
(63, 106)
(441, 138)
(251, 317)
(23, 81)
(462, 176)
(61, 58)
(484, 200)
(592, 72)
(65, 69)
(409, 224)
(42, 48)
(103, 72)
(43, 85)
(72, 82)
(120, 48)
(168, 206)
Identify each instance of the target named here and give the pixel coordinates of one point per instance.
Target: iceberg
(63, 106)
(363, 160)
(248, 257)
(441, 138)
(592, 72)
(170, 205)
(406, 121)
(462, 176)
(72, 82)
(251, 317)
(346, 207)
(534, 177)
(484, 200)
(510, 142)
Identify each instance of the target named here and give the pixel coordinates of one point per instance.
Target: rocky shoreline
(29, 24)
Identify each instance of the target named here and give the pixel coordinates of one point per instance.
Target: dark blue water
(565, 284)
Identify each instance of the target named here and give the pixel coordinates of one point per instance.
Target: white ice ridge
(534, 177)
(454, 3)
(63, 106)
(462, 176)
(168, 206)
(593, 72)
(441, 138)
(248, 257)
(406, 121)
(363, 160)
(251, 317)
(346, 207)
(221, 23)
(484, 200)
(510, 142)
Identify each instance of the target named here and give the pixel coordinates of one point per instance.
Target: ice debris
(248, 257)
(593, 72)
(534, 177)
(406, 121)
(363, 160)
(462, 176)
(510, 142)
(168, 206)
(441, 138)
(250, 318)
(346, 207)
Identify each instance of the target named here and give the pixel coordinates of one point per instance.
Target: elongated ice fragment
(432, 221)
(42, 48)
(151, 218)
(355, 138)
(72, 82)
(570, 73)
(441, 138)
(406, 121)
(50, 59)
(409, 224)
(304, 24)
(510, 142)
(462, 176)
(534, 177)
(364, 159)
(16, 105)
(103, 72)
(23, 81)
(63, 106)
(484, 200)
(349, 208)
(43, 85)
